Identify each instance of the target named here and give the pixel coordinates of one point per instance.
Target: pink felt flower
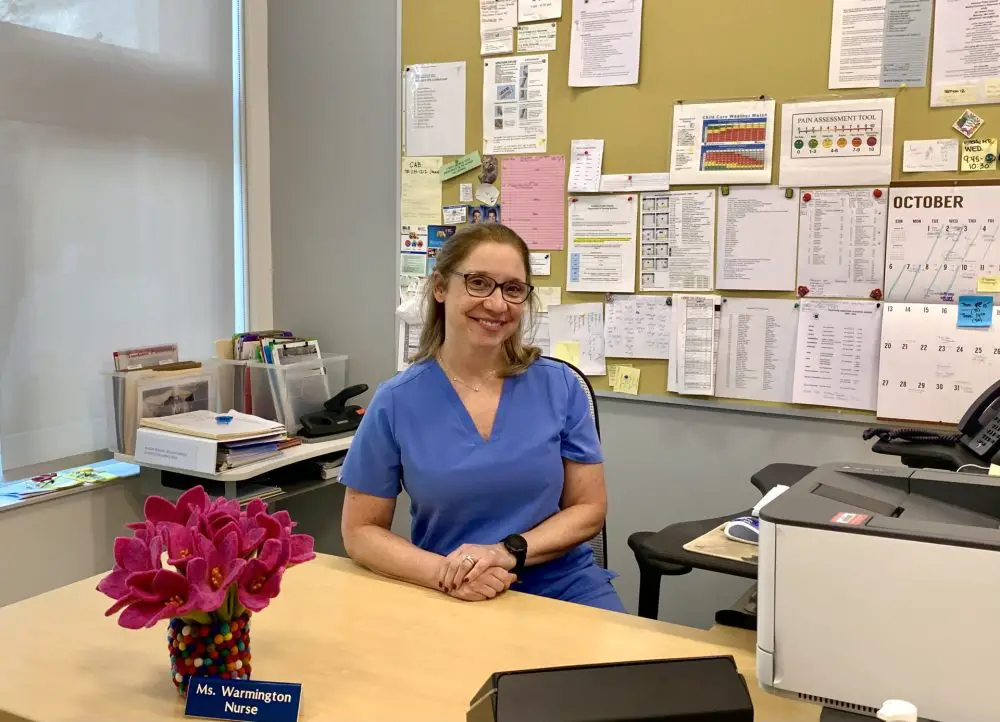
(279, 526)
(132, 555)
(183, 543)
(211, 575)
(260, 580)
(163, 595)
(159, 510)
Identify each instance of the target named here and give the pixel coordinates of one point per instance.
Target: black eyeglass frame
(475, 274)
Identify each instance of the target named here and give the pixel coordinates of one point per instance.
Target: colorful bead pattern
(219, 649)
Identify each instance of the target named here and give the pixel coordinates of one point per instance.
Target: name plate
(243, 699)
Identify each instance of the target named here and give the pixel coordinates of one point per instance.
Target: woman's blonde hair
(517, 356)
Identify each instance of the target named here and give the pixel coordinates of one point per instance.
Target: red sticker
(846, 517)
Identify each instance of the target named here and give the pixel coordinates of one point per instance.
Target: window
(121, 202)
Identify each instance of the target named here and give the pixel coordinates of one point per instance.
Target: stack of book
(208, 442)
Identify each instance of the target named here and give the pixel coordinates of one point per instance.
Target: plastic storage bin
(133, 395)
(282, 392)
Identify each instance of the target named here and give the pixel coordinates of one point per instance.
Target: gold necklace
(475, 387)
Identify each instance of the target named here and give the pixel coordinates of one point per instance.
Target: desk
(363, 647)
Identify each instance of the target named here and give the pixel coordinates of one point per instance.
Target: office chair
(599, 543)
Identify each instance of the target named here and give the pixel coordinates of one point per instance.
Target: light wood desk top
(363, 647)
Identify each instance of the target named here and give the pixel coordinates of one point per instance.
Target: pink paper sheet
(533, 196)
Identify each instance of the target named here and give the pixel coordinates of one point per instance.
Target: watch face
(516, 544)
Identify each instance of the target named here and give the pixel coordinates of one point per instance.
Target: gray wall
(333, 73)
(333, 79)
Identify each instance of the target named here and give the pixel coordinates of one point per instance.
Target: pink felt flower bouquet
(221, 562)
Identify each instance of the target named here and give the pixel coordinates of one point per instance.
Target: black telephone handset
(976, 444)
(338, 417)
(980, 427)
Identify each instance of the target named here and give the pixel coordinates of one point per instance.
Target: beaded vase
(218, 649)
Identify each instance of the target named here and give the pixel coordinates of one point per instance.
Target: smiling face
(483, 322)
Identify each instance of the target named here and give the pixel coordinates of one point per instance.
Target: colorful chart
(736, 143)
(837, 135)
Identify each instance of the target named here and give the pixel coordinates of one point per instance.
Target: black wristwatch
(518, 548)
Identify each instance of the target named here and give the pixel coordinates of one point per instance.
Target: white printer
(881, 583)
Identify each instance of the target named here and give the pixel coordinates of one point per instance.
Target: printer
(879, 583)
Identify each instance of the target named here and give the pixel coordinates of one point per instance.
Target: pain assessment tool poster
(837, 142)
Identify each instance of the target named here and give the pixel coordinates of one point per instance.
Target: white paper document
(694, 339)
(407, 344)
(604, 43)
(879, 43)
(538, 38)
(836, 353)
(528, 11)
(496, 14)
(837, 142)
(941, 241)
(515, 104)
(757, 349)
(586, 157)
(634, 182)
(537, 332)
(541, 264)
(496, 42)
(757, 238)
(637, 327)
(842, 241)
(678, 241)
(930, 155)
(435, 109)
(548, 296)
(965, 68)
(906, 43)
(581, 324)
(721, 143)
(465, 193)
(602, 231)
(931, 369)
(856, 43)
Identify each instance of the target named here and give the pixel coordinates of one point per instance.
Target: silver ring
(469, 558)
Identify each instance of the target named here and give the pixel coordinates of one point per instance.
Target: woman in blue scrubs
(495, 446)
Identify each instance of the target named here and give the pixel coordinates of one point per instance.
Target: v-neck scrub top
(417, 435)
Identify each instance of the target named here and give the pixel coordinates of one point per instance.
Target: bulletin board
(693, 52)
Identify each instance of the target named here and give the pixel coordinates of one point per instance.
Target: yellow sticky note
(628, 380)
(994, 470)
(548, 296)
(979, 154)
(988, 284)
(567, 351)
(992, 89)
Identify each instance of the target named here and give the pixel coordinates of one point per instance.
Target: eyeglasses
(480, 285)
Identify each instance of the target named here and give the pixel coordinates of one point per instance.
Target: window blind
(117, 197)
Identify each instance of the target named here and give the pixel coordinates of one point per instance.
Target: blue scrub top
(417, 435)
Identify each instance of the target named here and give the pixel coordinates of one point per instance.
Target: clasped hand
(476, 572)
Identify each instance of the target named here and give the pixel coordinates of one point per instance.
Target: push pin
(877, 192)
(806, 197)
(990, 158)
(876, 295)
(572, 200)
(803, 290)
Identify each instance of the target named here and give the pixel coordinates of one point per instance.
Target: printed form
(602, 243)
(694, 341)
(965, 68)
(435, 109)
(604, 43)
(586, 158)
(836, 353)
(842, 241)
(758, 235)
(532, 189)
(515, 104)
(757, 349)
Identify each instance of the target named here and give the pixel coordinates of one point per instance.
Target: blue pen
(223, 419)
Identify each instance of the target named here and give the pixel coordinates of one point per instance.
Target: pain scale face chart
(837, 135)
(940, 241)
